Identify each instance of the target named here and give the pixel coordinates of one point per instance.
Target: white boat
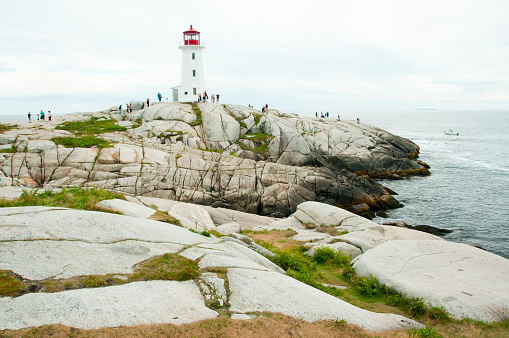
(450, 132)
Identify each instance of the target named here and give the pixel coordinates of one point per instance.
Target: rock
(305, 236)
(127, 208)
(220, 128)
(365, 239)
(169, 111)
(346, 248)
(227, 255)
(37, 146)
(324, 214)
(228, 228)
(259, 291)
(466, 281)
(137, 105)
(130, 304)
(245, 220)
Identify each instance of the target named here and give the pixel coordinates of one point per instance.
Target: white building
(193, 79)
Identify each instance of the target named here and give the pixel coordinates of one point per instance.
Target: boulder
(259, 291)
(466, 281)
(343, 247)
(127, 208)
(38, 146)
(137, 105)
(131, 304)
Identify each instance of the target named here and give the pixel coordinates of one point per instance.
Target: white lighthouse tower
(193, 79)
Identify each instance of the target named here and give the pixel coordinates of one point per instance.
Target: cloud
(374, 54)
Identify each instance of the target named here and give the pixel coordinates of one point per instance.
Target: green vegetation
(166, 267)
(5, 127)
(138, 122)
(9, 285)
(93, 126)
(197, 112)
(12, 149)
(425, 332)
(74, 197)
(261, 141)
(326, 266)
(211, 150)
(81, 142)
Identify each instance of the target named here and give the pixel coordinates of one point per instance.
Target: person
(130, 108)
(339, 119)
(327, 114)
(49, 115)
(199, 97)
(159, 96)
(42, 116)
(316, 114)
(29, 117)
(37, 117)
(213, 98)
(321, 115)
(358, 121)
(148, 102)
(217, 98)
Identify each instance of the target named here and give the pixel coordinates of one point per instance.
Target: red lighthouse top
(191, 37)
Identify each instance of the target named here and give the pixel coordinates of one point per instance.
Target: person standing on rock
(148, 102)
(29, 117)
(120, 109)
(217, 98)
(42, 116)
(159, 96)
(49, 115)
(358, 121)
(339, 119)
(213, 98)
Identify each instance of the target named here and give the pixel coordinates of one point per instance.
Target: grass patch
(261, 141)
(166, 267)
(9, 285)
(425, 332)
(12, 149)
(93, 126)
(163, 216)
(74, 197)
(5, 127)
(211, 150)
(88, 141)
(197, 112)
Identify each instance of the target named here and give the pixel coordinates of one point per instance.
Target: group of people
(204, 97)
(40, 117)
(128, 108)
(265, 108)
(322, 115)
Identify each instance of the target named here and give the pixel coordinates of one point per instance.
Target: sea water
(468, 189)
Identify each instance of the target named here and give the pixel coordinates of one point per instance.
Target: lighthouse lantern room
(192, 80)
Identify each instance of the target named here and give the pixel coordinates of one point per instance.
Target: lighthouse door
(175, 94)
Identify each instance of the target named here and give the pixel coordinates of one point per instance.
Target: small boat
(450, 132)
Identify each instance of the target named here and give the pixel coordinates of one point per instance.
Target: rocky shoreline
(219, 155)
(222, 169)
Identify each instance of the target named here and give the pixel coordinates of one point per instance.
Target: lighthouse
(193, 80)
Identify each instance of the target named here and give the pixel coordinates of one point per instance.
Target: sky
(80, 56)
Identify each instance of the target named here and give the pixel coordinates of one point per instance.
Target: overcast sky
(68, 56)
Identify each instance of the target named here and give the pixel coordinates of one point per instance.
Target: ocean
(468, 189)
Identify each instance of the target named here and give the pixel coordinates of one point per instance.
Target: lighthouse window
(193, 56)
(194, 72)
(194, 91)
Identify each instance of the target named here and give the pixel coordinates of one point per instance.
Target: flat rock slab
(130, 304)
(37, 260)
(324, 214)
(49, 223)
(229, 254)
(127, 208)
(466, 281)
(256, 291)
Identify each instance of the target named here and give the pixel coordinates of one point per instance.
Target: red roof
(192, 30)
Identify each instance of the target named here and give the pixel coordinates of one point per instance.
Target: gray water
(468, 190)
